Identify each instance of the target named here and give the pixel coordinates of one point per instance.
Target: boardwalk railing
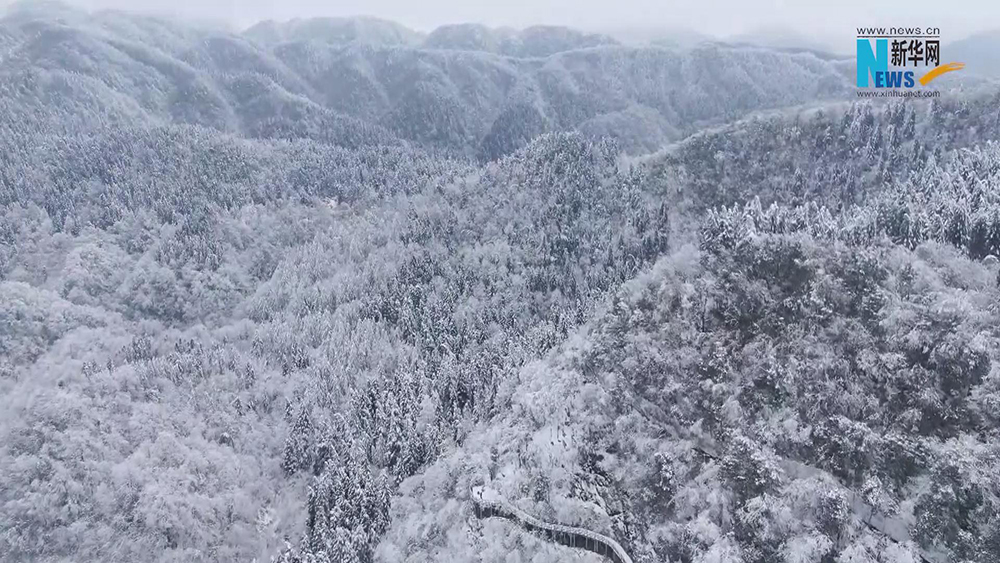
(490, 504)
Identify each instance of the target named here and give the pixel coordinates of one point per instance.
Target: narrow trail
(491, 504)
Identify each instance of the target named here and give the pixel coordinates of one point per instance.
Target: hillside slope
(759, 396)
(284, 299)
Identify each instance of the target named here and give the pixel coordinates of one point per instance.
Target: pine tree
(297, 455)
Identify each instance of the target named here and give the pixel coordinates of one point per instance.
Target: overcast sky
(826, 21)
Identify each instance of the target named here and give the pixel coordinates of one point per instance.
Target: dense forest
(286, 295)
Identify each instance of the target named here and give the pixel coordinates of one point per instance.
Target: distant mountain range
(466, 89)
(786, 38)
(979, 52)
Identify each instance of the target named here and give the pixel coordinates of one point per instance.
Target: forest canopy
(287, 294)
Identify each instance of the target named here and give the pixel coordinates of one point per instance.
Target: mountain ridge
(439, 98)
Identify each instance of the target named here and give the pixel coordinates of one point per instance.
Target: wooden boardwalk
(490, 504)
